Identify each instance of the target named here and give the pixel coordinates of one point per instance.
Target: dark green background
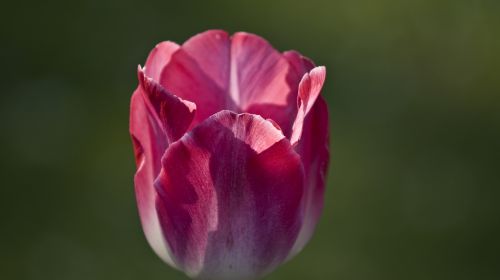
(414, 95)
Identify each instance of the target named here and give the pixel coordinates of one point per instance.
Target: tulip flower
(231, 145)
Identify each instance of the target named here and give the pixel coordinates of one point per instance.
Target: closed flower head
(231, 144)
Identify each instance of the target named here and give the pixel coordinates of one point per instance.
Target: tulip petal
(173, 113)
(230, 195)
(156, 119)
(158, 58)
(262, 80)
(199, 72)
(313, 148)
(258, 72)
(309, 89)
(242, 73)
(311, 141)
(299, 63)
(149, 141)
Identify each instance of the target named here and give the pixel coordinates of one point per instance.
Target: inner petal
(242, 73)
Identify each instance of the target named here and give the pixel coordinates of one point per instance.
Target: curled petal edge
(309, 89)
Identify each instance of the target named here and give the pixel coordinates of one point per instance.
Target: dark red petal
(313, 148)
(230, 197)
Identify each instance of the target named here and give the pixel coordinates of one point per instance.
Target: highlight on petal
(157, 118)
(230, 195)
(309, 89)
(158, 58)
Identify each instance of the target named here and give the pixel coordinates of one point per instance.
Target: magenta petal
(158, 58)
(258, 72)
(156, 119)
(149, 143)
(242, 73)
(309, 89)
(199, 72)
(173, 113)
(300, 64)
(262, 80)
(313, 148)
(310, 137)
(230, 195)
(211, 50)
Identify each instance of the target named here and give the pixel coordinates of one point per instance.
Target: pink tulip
(231, 145)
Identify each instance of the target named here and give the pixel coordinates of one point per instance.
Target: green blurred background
(414, 95)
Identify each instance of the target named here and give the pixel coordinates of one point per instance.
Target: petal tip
(319, 70)
(216, 33)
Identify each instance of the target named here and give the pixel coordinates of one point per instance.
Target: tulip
(231, 145)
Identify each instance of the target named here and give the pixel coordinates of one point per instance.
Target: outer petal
(230, 197)
(173, 113)
(313, 148)
(309, 89)
(158, 58)
(153, 126)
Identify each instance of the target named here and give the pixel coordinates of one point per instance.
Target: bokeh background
(414, 95)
